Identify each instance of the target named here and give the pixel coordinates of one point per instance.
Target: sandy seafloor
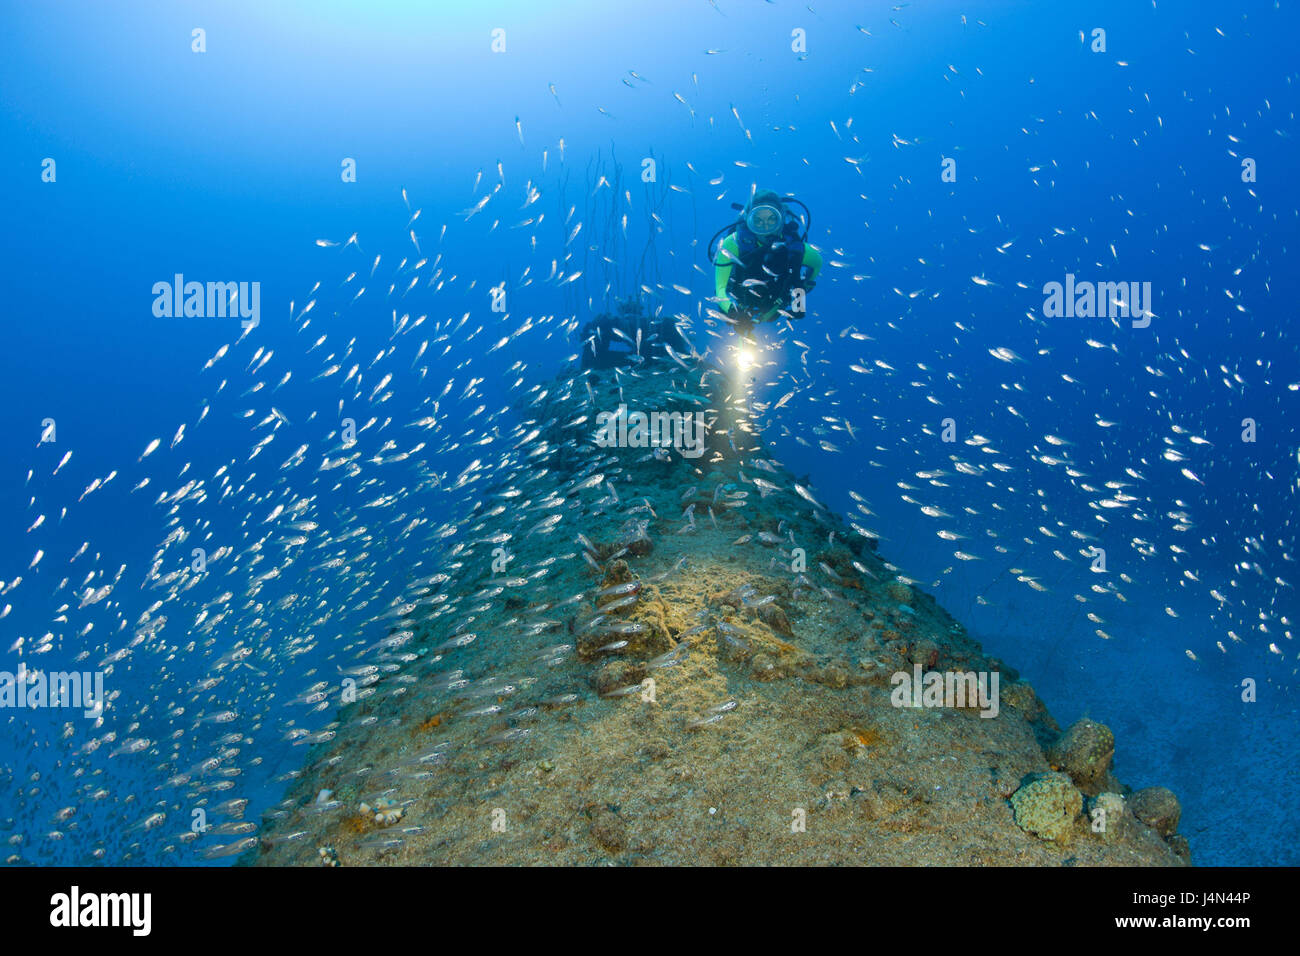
(767, 738)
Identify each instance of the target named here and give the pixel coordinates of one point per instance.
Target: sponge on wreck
(1047, 806)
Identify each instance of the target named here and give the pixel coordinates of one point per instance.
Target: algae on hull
(691, 665)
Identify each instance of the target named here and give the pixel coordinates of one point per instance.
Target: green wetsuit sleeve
(812, 259)
(728, 253)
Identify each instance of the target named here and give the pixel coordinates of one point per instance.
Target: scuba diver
(764, 265)
(639, 337)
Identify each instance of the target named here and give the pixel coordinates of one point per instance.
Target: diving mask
(765, 220)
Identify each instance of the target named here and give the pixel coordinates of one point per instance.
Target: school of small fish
(383, 429)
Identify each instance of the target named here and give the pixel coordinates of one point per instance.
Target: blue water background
(225, 165)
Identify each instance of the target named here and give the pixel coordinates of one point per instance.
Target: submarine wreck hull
(652, 645)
